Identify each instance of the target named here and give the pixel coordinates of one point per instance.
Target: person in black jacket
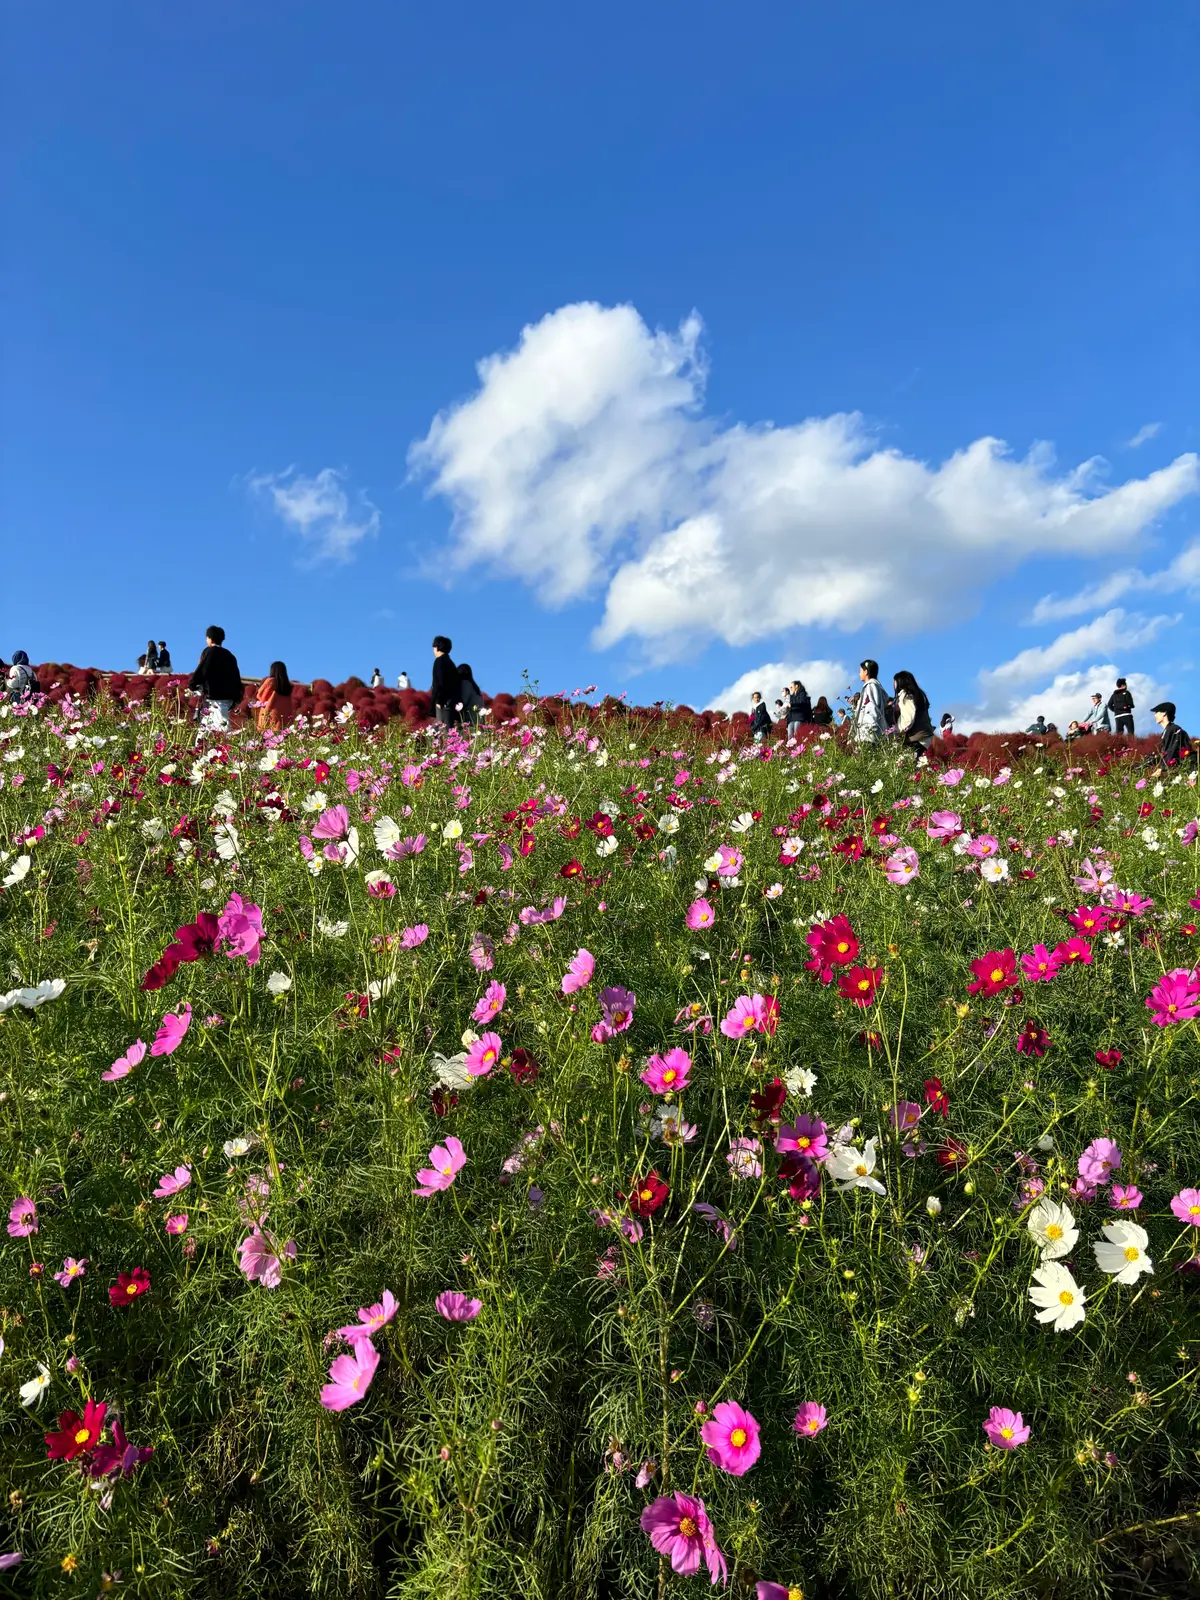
(798, 708)
(822, 714)
(760, 717)
(446, 689)
(1176, 746)
(470, 695)
(164, 656)
(1120, 703)
(218, 679)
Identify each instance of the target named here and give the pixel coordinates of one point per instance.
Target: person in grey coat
(870, 711)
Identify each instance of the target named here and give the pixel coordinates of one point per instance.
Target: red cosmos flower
(523, 1066)
(443, 1101)
(936, 1097)
(860, 984)
(1074, 951)
(1090, 920)
(76, 1436)
(1109, 1059)
(163, 970)
(881, 825)
(851, 848)
(526, 843)
(1033, 1040)
(572, 869)
(993, 972)
(952, 1154)
(833, 944)
(870, 1040)
(1145, 809)
(129, 1286)
(572, 829)
(647, 1195)
(198, 938)
(600, 824)
(767, 1104)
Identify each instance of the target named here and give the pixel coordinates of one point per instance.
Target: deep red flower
(801, 1174)
(526, 842)
(952, 1154)
(76, 1436)
(443, 1101)
(936, 1097)
(1109, 1059)
(859, 984)
(1033, 1040)
(572, 869)
(524, 1066)
(647, 1195)
(600, 824)
(993, 972)
(833, 944)
(163, 970)
(198, 938)
(767, 1104)
(881, 825)
(129, 1286)
(851, 848)
(870, 1040)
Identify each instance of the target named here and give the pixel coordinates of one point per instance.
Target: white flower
(278, 983)
(1046, 1142)
(606, 847)
(668, 822)
(374, 879)
(224, 805)
(332, 930)
(799, 1080)
(228, 845)
(1060, 1297)
(316, 865)
(700, 885)
(9, 1000)
(351, 848)
(451, 1071)
(1054, 1228)
(712, 863)
(48, 989)
(453, 829)
(33, 1391)
(773, 892)
(154, 828)
(239, 1146)
(961, 841)
(1124, 1256)
(601, 758)
(610, 808)
(934, 1206)
(743, 822)
(669, 857)
(387, 833)
(381, 986)
(793, 845)
(16, 753)
(318, 800)
(1150, 838)
(270, 761)
(994, 869)
(852, 1168)
(17, 871)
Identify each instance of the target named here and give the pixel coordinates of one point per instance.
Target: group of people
(875, 714)
(156, 659)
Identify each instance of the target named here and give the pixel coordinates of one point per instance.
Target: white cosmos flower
(453, 829)
(742, 823)
(608, 846)
(318, 800)
(224, 805)
(994, 869)
(877, 785)
(240, 1146)
(9, 1000)
(451, 1071)
(799, 1080)
(332, 930)
(33, 1391)
(228, 844)
(17, 871)
(1124, 1256)
(934, 1206)
(315, 865)
(154, 828)
(793, 845)
(351, 848)
(48, 989)
(668, 822)
(387, 833)
(712, 863)
(1054, 1228)
(278, 983)
(1061, 1299)
(381, 986)
(270, 761)
(852, 1169)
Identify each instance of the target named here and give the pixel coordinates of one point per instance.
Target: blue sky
(752, 287)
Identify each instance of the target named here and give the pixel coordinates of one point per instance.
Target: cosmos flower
(732, 1438)
(1006, 1429)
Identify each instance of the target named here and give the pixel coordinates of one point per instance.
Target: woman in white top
(870, 713)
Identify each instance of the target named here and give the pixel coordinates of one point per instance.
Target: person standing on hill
(798, 708)
(217, 679)
(913, 722)
(274, 699)
(377, 679)
(760, 718)
(822, 713)
(164, 656)
(402, 681)
(470, 695)
(446, 689)
(870, 711)
(151, 658)
(1120, 703)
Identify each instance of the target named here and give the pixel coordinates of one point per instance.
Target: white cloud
(1145, 433)
(319, 510)
(1182, 574)
(1065, 699)
(828, 678)
(1114, 631)
(584, 464)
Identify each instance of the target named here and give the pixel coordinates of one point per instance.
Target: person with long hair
(470, 695)
(870, 708)
(913, 722)
(274, 700)
(823, 713)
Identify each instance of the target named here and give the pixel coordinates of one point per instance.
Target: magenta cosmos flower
(1040, 965)
(332, 824)
(1186, 1207)
(943, 824)
(350, 1377)
(732, 1438)
(810, 1419)
(755, 1013)
(617, 1005)
(172, 1182)
(678, 1527)
(764, 1589)
(700, 915)
(492, 1003)
(807, 1136)
(22, 1217)
(414, 936)
(1006, 1429)
(456, 1306)
(1175, 998)
(666, 1073)
(124, 1065)
(371, 1319)
(446, 1161)
(240, 930)
(729, 861)
(902, 865)
(171, 1031)
(579, 972)
(483, 1055)
(1099, 1161)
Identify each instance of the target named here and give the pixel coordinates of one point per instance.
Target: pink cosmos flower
(492, 1003)
(943, 824)
(732, 1438)
(483, 1055)
(171, 1182)
(371, 1318)
(71, 1269)
(1099, 1161)
(446, 1161)
(617, 1005)
(332, 824)
(1186, 1207)
(171, 1031)
(730, 861)
(1073, 952)
(177, 1224)
(22, 1217)
(406, 847)
(1125, 1197)
(982, 846)
(456, 1307)
(700, 915)
(751, 1014)
(810, 1419)
(711, 1214)
(1041, 964)
(260, 1258)
(1006, 1429)
(743, 1158)
(579, 972)
(350, 1377)
(904, 1115)
(1175, 998)
(664, 1074)
(412, 937)
(1089, 921)
(902, 865)
(678, 1527)
(807, 1136)
(124, 1065)
(240, 930)
(482, 952)
(952, 777)
(764, 1589)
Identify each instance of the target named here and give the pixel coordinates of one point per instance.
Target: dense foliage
(688, 1123)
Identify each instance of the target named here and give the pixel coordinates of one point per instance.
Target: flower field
(588, 1160)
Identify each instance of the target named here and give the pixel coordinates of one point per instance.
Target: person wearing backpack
(22, 679)
(1120, 703)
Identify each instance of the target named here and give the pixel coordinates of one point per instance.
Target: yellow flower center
(1066, 1298)
(795, 1592)
(1194, 1211)
(802, 1143)
(737, 1438)
(687, 1528)
(863, 985)
(842, 948)
(1006, 1433)
(1132, 1252)
(131, 1288)
(1053, 1231)
(812, 1425)
(645, 1194)
(670, 1075)
(82, 1436)
(997, 974)
(618, 1018)
(861, 1170)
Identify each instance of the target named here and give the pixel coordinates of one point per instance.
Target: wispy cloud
(1145, 433)
(319, 510)
(1182, 574)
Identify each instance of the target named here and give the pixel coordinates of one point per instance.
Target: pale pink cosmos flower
(1099, 1161)
(171, 1182)
(579, 972)
(171, 1031)
(952, 777)
(371, 1318)
(751, 1014)
(743, 1158)
(983, 845)
(482, 952)
(332, 824)
(732, 1438)
(412, 937)
(902, 865)
(406, 847)
(22, 1217)
(730, 861)
(700, 914)
(124, 1065)
(446, 1161)
(943, 824)
(1006, 1429)
(492, 1003)
(617, 1005)
(351, 1377)
(261, 1258)
(1186, 1207)
(664, 1074)
(483, 1055)
(240, 930)
(177, 1223)
(456, 1307)
(71, 1269)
